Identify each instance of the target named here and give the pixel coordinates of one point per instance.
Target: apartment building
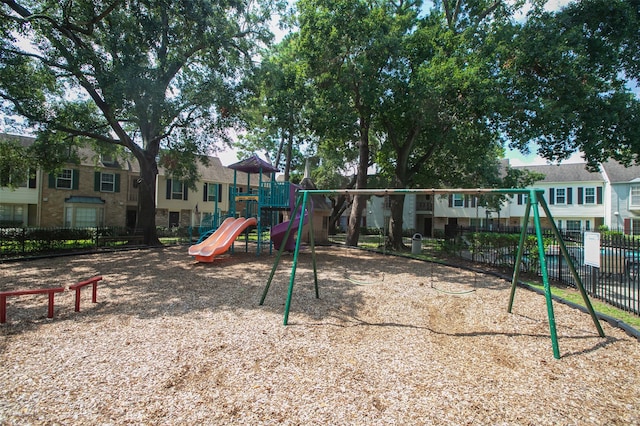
(578, 199)
(103, 191)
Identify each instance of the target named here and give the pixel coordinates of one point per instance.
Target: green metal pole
(287, 305)
(279, 255)
(545, 276)
(516, 268)
(574, 273)
(313, 251)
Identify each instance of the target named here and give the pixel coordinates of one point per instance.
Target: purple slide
(278, 231)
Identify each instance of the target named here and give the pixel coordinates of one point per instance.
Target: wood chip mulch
(390, 341)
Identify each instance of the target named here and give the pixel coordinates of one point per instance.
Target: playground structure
(535, 200)
(258, 207)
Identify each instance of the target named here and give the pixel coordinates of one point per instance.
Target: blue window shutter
(569, 195)
(580, 195)
(599, 195)
(52, 180)
(96, 181)
(552, 196)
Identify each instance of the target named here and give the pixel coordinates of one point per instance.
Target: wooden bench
(78, 286)
(5, 294)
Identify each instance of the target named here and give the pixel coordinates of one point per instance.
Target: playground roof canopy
(253, 164)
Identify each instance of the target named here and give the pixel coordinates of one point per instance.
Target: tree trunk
(394, 240)
(359, 201)
(287, 167)
(146, 217)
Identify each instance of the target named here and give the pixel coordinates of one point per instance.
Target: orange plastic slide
(195, 249)
(222, 239)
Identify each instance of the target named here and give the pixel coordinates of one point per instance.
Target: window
(561, 196)
(83, 216)
(523, 199)
(458, 200)
(589, 195)
(176, 189)
(11, 213)
(211, 191)
(108, 160)
(634, 197)
(107, 182)
(6, 179)
(573, 225)
(64, 180)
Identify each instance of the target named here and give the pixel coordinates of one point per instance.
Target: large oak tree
(157, 78)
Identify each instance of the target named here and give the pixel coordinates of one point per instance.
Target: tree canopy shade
(159, 79)
(274, 115)
(566, 76)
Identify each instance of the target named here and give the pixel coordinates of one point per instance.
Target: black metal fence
(616, 281)
(21, 242)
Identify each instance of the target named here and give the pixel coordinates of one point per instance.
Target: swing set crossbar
(534, 201)
(434, 191)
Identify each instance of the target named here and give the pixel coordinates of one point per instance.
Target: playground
(390, 340)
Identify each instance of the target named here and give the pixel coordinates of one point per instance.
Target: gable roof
(618, 173)
(22, 140)
(575, 172)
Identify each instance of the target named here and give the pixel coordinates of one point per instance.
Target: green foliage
(276, 117)
(149, 76)
(565, 75)
(14, 163)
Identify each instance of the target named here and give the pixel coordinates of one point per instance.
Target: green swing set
(535, 200)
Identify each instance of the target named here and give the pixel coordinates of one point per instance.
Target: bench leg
(78, 299)
(94, 294)
(50, 312)
(3, 309)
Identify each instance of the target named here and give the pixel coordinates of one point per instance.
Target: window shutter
(52, 180)
(627, 226)
(552, 196)
(116, 182)
(580, 195)
(206, 192)
(75, 176)
(520, 199)
(96, 181)
(185, 192)
(450, 200)
(599, 195)
(569, 195)
(219, 192)
(168, 189)
(466, 201)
